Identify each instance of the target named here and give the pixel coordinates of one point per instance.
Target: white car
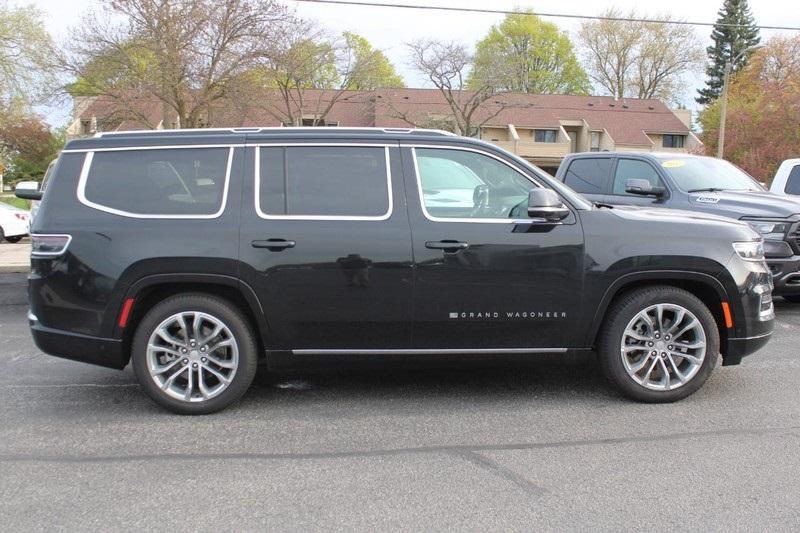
(787, 179)
(13, 223)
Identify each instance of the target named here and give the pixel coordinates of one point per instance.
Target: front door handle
(447, 245)
(274, 245)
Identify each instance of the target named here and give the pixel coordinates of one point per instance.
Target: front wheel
(194, 354)
(659, 344)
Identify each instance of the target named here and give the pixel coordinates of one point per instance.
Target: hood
(664, 215)
(738, 204)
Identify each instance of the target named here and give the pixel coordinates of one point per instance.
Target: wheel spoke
(164, 334)
(197, 323)
(636, 367)
(184, 329)
(217, 330)
(646, 377)
(201, 383)
(221, 344)
(692, 323)
(660, 317)
(675, 369)
(164, 349)
(167, 367)
(220, 362)
(691, 358)
(681, 314)
(665, 372)
(189, 384)
(170, 380)
(690, 346)
(637, 336)
(219, 376)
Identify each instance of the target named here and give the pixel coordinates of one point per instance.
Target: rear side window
(793, 181)
(588, 175)
(165, 182)
(328, 182)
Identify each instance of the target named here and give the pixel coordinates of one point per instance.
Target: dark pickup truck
(700, 184)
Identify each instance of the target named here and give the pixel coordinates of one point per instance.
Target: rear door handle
(447, 245)
(274, 245)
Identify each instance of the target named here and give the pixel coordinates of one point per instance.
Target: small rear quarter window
(158, 182)
(793, 181)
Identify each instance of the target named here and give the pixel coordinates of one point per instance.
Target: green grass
(16, 202)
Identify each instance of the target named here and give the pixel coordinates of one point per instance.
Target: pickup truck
(699, 184)
(787, 178)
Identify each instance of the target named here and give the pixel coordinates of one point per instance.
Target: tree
(763, 110)
(525, 54)
(447, 66)
(27, 146)
(374, 68)
(312, 71)
(27, 69)
(639, 59)
(185, 54)
(734, 33)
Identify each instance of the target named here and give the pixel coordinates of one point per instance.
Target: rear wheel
(194, 354)
(659, 344)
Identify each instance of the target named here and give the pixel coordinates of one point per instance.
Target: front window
(463, 184)
(629, 169)
(694, 174)
(673, 141)
(545, 136)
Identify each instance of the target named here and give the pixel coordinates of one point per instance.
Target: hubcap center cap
(194, 355)
(661, 345)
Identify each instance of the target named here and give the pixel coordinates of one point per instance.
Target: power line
(553, 15)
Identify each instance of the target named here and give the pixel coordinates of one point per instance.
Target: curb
(15, 269)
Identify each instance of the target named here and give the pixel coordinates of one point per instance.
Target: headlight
(774, 231)
(750, 251)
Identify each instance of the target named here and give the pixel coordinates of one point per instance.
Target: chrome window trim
(51, 254)
(156, 147)
(257, 176)
(432, 351)
(87, 163)
(432, 218)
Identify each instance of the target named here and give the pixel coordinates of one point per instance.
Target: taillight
(49, 245)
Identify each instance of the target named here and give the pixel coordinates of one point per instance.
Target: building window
(594, 141)
(673, 141)
(545, 136)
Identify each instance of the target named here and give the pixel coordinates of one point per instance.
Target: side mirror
(643, 188)
(28, 190)
(545, 203)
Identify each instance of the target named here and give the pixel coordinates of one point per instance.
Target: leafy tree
(734, 32)
(27, 66)
(525, 54)
(27, 146)
(639, 59)
(375, 69)
(763, 110)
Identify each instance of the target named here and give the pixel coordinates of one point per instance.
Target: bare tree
(184, 53)
(311, 71)
(447, 66)
(639, 59)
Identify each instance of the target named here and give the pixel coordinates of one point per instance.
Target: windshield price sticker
(673, 163)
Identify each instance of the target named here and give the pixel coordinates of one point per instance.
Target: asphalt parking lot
(514, 445)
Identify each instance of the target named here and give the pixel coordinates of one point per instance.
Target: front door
(627, 169)
(487, 277)
(326, 245)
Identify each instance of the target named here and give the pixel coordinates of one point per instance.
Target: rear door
(326, 245)
(589, 176)
(630, 168)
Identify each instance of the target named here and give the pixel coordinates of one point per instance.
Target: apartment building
(540, 128)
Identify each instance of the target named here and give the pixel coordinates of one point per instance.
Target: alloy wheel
(192, 356)
(663, 347)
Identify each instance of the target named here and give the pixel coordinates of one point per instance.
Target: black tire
(15, 239)
(618, 317)
(224, 311)
(792, 298)
(2, 234)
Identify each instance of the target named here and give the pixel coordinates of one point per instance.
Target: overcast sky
(389, 28)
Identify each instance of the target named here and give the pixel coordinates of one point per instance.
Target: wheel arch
(148, 291)
(707, 288)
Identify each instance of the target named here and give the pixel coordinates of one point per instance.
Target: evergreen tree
(734, 32)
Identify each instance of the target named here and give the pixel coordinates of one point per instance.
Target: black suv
(198, 254)
(700, 184)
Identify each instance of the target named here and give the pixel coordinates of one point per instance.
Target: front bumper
(736, 349)
(785, 274)
(76, 347)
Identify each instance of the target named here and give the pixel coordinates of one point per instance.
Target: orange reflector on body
(125, 314)
(726, 312)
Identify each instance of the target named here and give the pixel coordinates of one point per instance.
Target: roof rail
(335, 129)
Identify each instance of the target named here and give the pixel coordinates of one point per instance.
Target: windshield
(704, 173)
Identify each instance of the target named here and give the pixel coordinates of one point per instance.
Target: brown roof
(626, 120)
